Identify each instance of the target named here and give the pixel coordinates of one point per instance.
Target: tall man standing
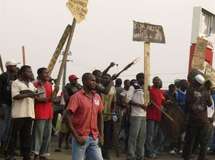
(6, 79)
(154, 117)
(84, 113)
(198, 98)
(23, 94)
(137, 130)
(43, 116)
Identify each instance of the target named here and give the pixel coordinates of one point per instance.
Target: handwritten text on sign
(148, 33)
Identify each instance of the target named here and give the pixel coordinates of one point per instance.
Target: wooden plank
(60, 73)
(198, 60)
(1, 64)
(59, 48)
(146, 72)
(23, 55)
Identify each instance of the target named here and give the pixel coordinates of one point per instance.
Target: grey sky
(105, 35)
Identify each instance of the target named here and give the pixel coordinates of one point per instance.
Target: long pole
(23, 55)
(59, 49)
(146, 72)
(64, 75)
(1, 64)
(60, 73)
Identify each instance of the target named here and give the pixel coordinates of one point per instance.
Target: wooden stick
(60, 73)
(1, 64)
(59, 49)
(23, 55)
(146, 72)
(166, 114)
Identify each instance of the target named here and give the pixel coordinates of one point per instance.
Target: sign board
(210, 73)
(148, 32)
(198, 60)
(78, 8)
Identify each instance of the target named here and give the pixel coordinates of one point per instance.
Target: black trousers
(23, 128)
(198, 133)
(108, 128)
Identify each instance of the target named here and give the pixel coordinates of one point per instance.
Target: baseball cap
(11, 63)
(73, 77)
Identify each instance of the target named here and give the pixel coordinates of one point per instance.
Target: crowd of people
(105, 116)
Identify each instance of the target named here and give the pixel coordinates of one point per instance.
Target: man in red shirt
(84, 113)
(154, 116)
(43, 116)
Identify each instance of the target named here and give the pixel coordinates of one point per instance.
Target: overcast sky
(105, 35)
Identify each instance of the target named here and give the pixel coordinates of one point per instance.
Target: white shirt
(23, 108)
(137, 97)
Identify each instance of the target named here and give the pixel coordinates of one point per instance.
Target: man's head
(89, 81)
(157, 82)
(43, 74)
(26, 73)
(177, 83)
(172, 88)
(73, 79)
(126, 84)
(118, 82)
(140, 78)
(98, 74)
(11, 66)
(183, 85)
(106, 79)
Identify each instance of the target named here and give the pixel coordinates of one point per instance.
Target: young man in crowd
(197, 100)
(43, 116)
(137, 129)
(6, 80)
(71, 88)
(88, 130)
(181, 94)
(124, 133)
(109, 101)
(23, 94)
(153, 118)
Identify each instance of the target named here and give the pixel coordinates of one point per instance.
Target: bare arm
(78, 138)
(24, 95)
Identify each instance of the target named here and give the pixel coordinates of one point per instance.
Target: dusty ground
(66, 155)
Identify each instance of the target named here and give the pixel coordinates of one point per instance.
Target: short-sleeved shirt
(137, 96)
(44, 110)
(23, 108)
(85, 112)
(108, 100)
(157, 96)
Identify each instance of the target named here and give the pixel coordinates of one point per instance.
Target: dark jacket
(5, 88)
(197, 101)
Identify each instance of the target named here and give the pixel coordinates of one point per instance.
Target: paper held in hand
(78, 8)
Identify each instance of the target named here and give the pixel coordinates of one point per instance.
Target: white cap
(11, 63)
(200, 79)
